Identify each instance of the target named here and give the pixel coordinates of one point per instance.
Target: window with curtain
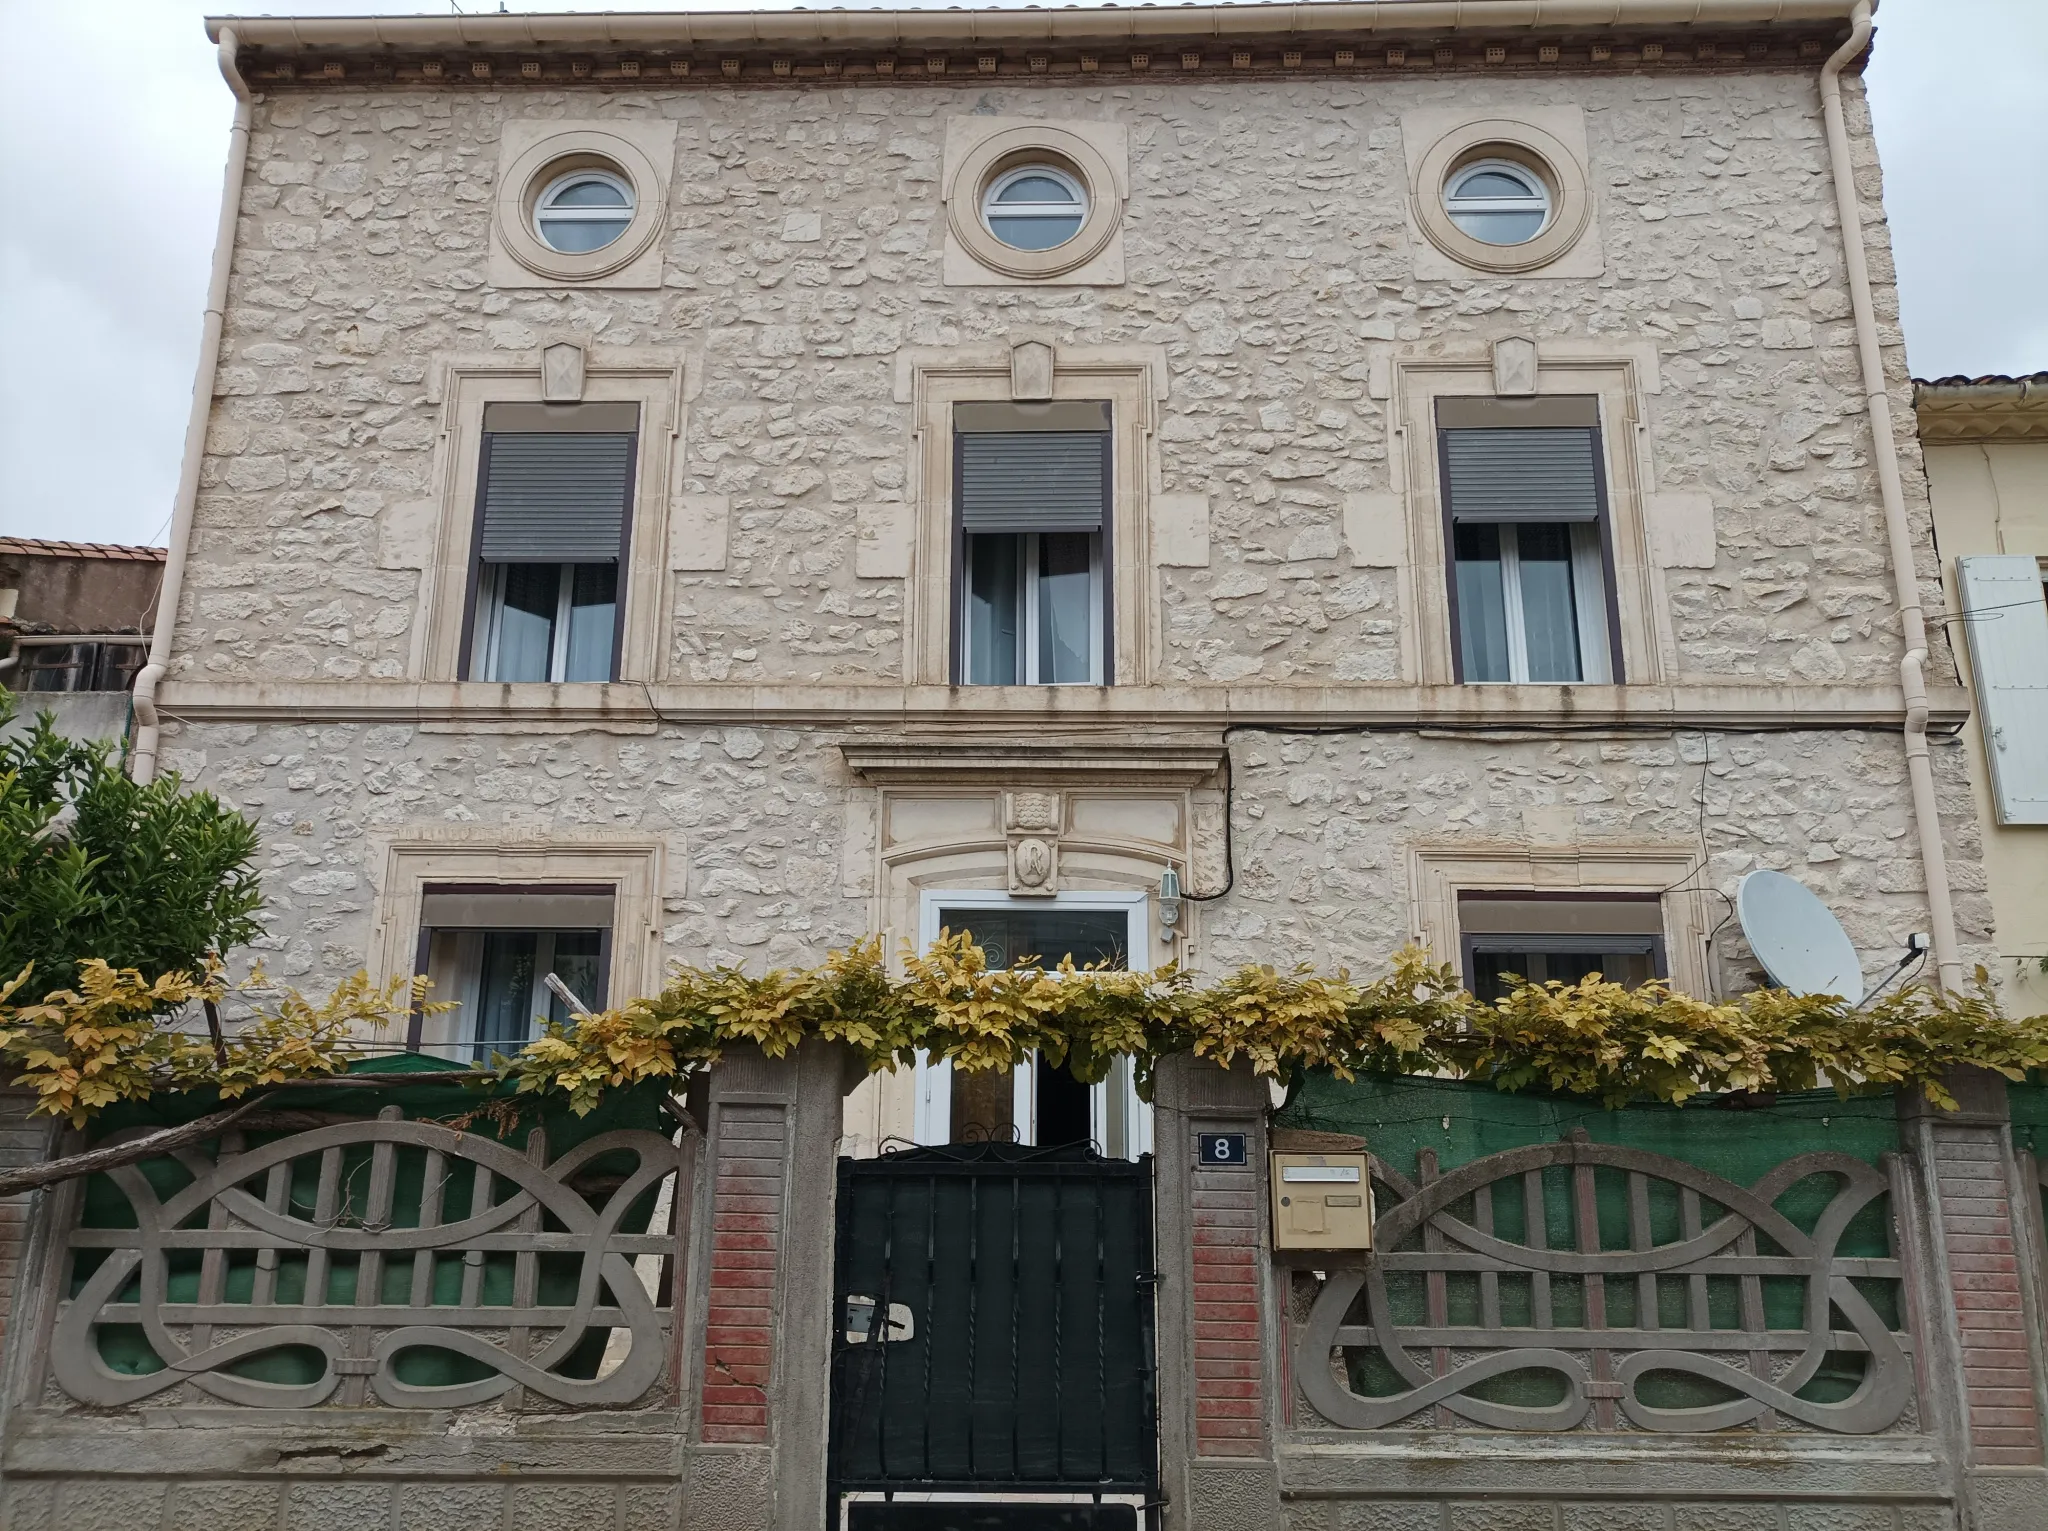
(491, 949)
(1526, 505)
(1565, 937)
(1031, 589)
(553, 498)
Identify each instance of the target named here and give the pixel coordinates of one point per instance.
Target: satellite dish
(1795, 936)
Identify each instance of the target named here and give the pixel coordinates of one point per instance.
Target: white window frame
(1589, 602)
(490, 594)
(1540, 201)
(1028, 640)
(469, 945)
(933, 1118)
(993, 212)
(543, 207)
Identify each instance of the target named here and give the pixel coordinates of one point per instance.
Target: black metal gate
(994, 1338)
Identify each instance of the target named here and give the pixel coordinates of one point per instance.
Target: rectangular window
(91, 665)
(1525, 506)
(553, 494)
(1566, 937)
(1037, 1103)
(1033, 489)
(490, 949)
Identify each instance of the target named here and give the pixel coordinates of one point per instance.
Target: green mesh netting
(1459, 1122)
(493, 1110)
(1463, 1121)
(2029, 1104)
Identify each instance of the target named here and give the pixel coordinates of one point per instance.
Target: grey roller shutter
(1032, 481)
(555, 498)
(1535, 474)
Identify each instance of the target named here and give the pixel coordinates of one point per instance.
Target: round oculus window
(582, 211)
(1035, 207)
(1498, 202)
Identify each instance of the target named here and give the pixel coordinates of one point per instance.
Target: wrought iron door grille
(995, 1324)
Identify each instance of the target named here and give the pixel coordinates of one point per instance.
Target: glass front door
(1038, 1102)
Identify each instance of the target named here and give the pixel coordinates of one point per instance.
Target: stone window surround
(1437, 874)
(1618, 378)
(634, 865)
(1547, 138)
(1134, 381)
(532, 153)
(660, 382)
(1097, 153)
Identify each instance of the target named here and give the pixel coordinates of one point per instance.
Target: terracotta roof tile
(34, 547)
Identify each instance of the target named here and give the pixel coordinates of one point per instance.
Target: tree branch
(31, 1176)
(149, 1146)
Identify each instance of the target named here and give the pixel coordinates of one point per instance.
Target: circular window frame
(1015, 149)
(546, 163)
(1083, 203)
(1520, 144)
(576, 176)
(1507, 169)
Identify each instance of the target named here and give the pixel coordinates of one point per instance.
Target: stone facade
(1283, 728)
(1269, 256)
(1271, 264)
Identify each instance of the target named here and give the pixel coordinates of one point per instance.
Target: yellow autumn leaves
(114, 1038)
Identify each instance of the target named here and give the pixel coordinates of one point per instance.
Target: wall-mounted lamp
(1169, 904)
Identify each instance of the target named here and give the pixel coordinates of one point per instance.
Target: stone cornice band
(1546, 710)
(400, 49)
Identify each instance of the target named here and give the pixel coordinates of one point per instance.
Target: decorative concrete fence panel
(1810, 1312)
(405, 1263)
(1579, 1285)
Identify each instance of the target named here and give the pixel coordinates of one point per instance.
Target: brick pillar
(1218, 1327)
(757, 1457)
(1985, 1360)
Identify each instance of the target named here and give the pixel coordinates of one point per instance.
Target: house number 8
(1224, 1148)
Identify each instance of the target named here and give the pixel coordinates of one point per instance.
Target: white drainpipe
(1948, 962)
(142, 758)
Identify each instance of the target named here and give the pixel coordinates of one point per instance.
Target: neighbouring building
(1986, 444)
(1244, 484)
(74, 620)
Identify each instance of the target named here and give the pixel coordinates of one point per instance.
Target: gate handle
(860, 1321)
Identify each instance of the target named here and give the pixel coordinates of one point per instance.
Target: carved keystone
(561, 374)
(1514, 367)
(1031, 370)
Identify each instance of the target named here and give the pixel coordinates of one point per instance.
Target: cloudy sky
(111, 182)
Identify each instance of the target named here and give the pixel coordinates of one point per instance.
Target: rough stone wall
(1321, 825)
(758, 813)
(1266, 249)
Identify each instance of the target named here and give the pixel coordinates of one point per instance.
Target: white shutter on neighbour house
(2006, 617)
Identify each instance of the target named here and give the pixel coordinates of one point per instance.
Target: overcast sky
(113, 124)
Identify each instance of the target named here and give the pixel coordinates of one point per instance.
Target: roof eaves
(1989, 408)
(1102, 25)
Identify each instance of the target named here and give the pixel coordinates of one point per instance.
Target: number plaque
(1226, 1148)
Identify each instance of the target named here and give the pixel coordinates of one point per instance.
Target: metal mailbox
(1321, 1201)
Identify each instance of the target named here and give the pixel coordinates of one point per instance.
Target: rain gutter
(148, 730)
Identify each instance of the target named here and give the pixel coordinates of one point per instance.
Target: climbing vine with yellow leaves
(1592, 1038)
(117, 1036)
